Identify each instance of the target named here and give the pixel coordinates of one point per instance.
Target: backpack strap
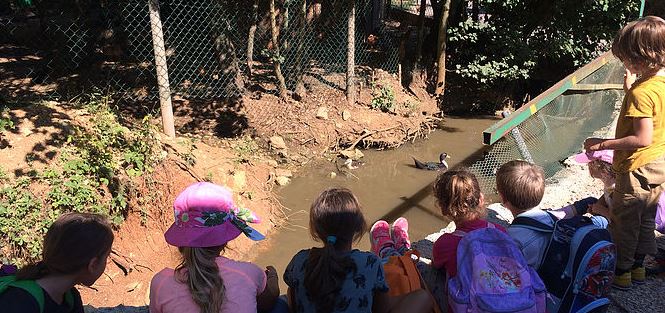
(34, 289)
(461, 233)
(533, 224)
(29, 286)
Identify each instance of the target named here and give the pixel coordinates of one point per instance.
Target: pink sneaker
(400, 235)
(380, 237)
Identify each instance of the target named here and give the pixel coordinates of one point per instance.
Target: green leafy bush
(383, 98)
(93, 173)
(516, 40)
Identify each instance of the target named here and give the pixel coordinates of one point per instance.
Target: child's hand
(582, 206)
(628, 79)
(599, 209)
(593, 144)
(271, 272)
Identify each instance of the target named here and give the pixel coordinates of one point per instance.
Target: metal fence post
(162, 69)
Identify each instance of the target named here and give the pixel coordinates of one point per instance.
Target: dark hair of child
(70, 244)
(336, 214)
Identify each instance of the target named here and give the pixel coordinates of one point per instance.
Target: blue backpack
(578, 264)
(493, 276)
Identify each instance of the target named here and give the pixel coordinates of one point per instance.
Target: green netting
(214, 48)
(557, 130)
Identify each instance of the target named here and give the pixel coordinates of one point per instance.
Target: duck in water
(442, 165)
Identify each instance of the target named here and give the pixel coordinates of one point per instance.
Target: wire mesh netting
(213, 48)
(557, 130)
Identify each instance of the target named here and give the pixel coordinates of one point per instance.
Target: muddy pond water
(388, 186)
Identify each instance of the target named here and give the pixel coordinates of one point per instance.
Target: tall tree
(441, 49)
(277, 56)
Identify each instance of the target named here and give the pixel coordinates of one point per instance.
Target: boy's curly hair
(642, 43)
(521, 183)
(458, 195)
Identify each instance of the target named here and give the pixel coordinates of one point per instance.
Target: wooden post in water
(162, 69)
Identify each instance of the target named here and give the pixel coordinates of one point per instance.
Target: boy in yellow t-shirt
(639, 144)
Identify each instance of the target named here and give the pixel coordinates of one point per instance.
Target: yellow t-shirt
(645, 99)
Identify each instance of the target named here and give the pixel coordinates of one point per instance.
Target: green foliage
(5, 121)
(246, 149)
(383, 98)
(515, 39)
(22, 221)
(92, 174)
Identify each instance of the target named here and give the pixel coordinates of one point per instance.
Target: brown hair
(71, 242)
(521, 183)
(458, 195)
(642, 43)
(604, 168)
(198, 269)
(336, 212)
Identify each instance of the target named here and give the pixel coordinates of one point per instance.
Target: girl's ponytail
(458, 195)
(336, 219)
(325, 273)
(200, 272)
(32, 271)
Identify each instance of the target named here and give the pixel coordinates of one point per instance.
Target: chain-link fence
(214, 48)
(557, 130)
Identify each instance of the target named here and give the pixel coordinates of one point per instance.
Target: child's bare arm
(266, 300)
(642, 137)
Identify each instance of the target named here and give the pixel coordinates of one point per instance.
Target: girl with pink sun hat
(206, 219)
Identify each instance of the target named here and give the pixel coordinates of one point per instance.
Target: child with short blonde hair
(521, 186)
(639, 146)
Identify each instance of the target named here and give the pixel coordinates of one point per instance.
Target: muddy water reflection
(388, 187)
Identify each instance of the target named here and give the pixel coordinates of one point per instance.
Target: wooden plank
(596, 87)
(501, 128)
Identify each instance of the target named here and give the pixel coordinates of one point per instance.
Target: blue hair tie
(331, 239)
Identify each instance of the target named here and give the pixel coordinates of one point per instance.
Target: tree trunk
(421, 31)
(250, 38)
(162, 69)
(441, 51)
(281, 84)
(475, 11)
(350, 53)
(301, 59)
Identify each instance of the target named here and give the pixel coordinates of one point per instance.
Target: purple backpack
(492, 276)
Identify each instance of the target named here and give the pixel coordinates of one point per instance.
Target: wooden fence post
(350, 54)
(162, 69)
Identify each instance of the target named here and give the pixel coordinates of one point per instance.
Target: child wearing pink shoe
(335, 277)
(390, 240)
(459, 198)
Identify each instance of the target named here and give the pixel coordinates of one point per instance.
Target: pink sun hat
(602, 155)
(206, 216)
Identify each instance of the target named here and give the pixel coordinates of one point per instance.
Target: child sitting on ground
(75, 250)
(206, 219)
(336, 277)
(639, 144)
(458, 196)
(521, 186)
(600, 167)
